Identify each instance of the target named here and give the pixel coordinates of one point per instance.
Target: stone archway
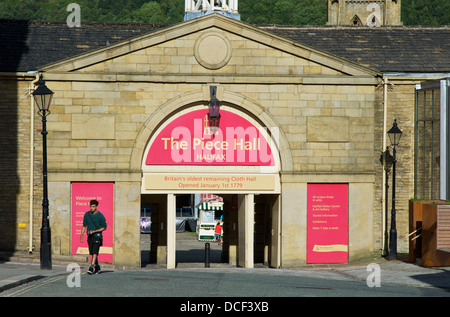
(185, 105)
(202, 96)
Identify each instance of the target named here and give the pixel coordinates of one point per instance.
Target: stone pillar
(171, 231)
(246, 222)
(293, 224)
(126, 224)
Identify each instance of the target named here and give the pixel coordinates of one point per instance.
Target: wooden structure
(430, 233)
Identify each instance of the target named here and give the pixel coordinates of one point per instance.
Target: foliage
(426, 12)
(288, 12)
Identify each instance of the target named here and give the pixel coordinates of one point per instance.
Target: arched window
(356, 21)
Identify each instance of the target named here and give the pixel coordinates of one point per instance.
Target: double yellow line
(27, 288)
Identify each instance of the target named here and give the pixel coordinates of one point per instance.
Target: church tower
(364, 12)
(197, 8)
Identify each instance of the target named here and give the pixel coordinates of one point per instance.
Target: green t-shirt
(94, 221)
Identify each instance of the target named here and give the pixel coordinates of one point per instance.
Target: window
(356, 21)
(431, 141)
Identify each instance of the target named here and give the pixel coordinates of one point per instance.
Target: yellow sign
(103, 250)
(330, 248)
(236, 182)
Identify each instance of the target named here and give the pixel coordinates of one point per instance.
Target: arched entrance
(241, 163)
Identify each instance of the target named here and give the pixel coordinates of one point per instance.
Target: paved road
(192, 281)
(214, 282)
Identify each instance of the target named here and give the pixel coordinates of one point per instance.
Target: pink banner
(327, 223)
(82, 194)
(187, 140)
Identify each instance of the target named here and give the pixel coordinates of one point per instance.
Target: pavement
(21, 267)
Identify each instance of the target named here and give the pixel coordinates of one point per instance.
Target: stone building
(364, 12)
(312, 104)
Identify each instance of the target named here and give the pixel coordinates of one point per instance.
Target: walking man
(94, 223)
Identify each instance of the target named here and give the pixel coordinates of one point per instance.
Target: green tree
(283, 11)
(173, 10)
(430, 12)
(150, 12)
(312, 12)
(21, 10)
(295, 12)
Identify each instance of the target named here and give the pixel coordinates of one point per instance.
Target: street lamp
(394, 136)
(214, 109)
(386, 160)
(43, 97)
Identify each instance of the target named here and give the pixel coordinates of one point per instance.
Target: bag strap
(90, 216)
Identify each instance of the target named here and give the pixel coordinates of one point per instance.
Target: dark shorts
(94, 244)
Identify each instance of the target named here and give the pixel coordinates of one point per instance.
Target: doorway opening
(266, 230)
(190, 242)
(196, 218)
(153, 208)
(190, 249)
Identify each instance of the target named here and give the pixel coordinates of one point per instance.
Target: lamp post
(43, 97)
(214, 110)
(394, 136)
(386, 160)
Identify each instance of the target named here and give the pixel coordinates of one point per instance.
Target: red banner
(82, 194)
(327, 223)
(187, 140)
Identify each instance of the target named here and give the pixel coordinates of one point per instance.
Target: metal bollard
(207, 254)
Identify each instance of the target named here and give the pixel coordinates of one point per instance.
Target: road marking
(32, 287)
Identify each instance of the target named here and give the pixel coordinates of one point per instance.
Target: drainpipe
(383, 190)
(31, 89)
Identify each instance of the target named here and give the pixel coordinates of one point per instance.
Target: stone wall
(17, 137)
(400, 106)
(117, 112)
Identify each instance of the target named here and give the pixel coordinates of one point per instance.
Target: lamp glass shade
(214, 111)
(42, 96)
(213, 124)
(43, 102)
(214, 107)
(395, 134)
(214, 115)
